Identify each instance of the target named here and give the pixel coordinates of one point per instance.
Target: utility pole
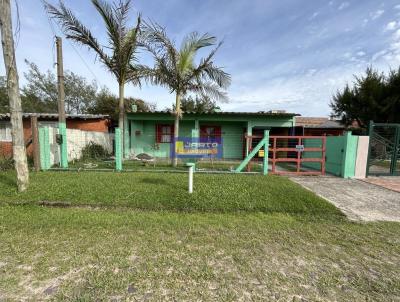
(62, 127)
(18, 141)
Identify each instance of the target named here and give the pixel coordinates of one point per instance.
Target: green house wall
(142, 137)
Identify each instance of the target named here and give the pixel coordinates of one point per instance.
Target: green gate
(384, 149)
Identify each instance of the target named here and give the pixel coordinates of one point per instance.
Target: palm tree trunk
(19, 152)
(176, 126)
(121, 117)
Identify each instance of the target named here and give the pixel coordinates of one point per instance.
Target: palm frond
(209, 89)
(128, 48)
(121, 13)
(216, 74)
(76, 31)
(193, 41)
(208, 59)
(106, 11)
(161, 45)
(190, 45)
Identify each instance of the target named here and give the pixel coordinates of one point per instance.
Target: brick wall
(95, 125)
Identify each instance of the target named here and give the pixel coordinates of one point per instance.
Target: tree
(4, 102)
(119, 56)
(40, 94)
(18, 143)
(197, 104)
(177, 70)
(373, 96)
(107, 103)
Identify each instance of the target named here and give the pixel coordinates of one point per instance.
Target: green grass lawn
(168, 191)
(128, 255)
(238, 238)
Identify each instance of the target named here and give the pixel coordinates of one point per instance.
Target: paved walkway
(389, 182)
(359, 200)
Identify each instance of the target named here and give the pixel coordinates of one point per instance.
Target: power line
(69, 42)
(84, 62)
(49, 19)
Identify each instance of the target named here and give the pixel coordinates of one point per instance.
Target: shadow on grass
(153, 181)
(8, 179)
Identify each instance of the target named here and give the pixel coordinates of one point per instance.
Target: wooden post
(323, 167)
(298, 156)
(60, 82)
(35, 142)
(62, 127)
(10, 62)
(274, 156)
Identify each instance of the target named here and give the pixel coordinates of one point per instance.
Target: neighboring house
(152, 132)
(84, 122)
(318, 126)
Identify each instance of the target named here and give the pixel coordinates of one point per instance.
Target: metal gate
(293, 155)
(384, 149)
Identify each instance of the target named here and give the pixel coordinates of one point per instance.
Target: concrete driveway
(357, 199)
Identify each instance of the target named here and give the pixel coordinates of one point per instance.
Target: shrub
(94, 151)
(6, 163)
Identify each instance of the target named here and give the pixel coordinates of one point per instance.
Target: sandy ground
(359, 200)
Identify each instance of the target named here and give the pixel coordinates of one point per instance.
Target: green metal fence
(384, 149)
(340, 157)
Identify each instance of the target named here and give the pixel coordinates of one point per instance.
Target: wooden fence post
(35, 143)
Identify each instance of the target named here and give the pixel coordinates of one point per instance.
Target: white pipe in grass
(191, 180)
(191, 170)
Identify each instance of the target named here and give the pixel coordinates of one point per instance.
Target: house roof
(318, 122)
(54, 116)
(280, 113)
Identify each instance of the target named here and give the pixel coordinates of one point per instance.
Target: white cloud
(391, 26)
(377, 14)
(347, 55)
(390, 55)
(378, 55)
(311, 72)
(314, 15)
(397, 6)
(313, 89)
(343, 5)
(360, 53)
(396, 35)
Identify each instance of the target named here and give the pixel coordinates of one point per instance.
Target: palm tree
(120, 57)
(177, 70)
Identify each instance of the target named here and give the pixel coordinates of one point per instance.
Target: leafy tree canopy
(107, 103)
(373, 96)
(4, 104)
(40, 93)
(197, 104)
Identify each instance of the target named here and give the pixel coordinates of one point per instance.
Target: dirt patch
(357, 199)
(44, 289)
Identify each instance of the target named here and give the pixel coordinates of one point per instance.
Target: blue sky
(287, 54)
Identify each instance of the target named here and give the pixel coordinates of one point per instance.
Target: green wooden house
(152, 132)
